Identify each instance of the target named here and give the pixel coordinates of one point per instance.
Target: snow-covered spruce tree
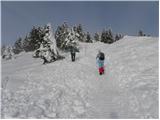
(103, 36)
(71, 40)
(107, 36)
(81, 33)
(118, 37)
(8, 53)
(32, 39)
(110, 38)
(35, 38)
(26, 44)
(18, 46)
(96, 37)
(88, 38)
(61, 34)
(48, 47)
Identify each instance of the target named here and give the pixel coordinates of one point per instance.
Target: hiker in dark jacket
(100, 61)
(73, 51)
(73, 54)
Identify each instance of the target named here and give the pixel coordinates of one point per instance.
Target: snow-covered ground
(65, 89)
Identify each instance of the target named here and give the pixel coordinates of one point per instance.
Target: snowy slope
(65, 89)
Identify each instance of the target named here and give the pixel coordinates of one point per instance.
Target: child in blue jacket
(100, 61)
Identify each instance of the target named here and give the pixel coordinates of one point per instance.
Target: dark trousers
(44, 60)
(73, 55)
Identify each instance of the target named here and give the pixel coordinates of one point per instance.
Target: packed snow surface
(65, 89)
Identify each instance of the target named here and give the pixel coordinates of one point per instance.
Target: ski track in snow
(65, 89)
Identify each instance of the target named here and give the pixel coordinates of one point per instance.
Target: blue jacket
(100, 63)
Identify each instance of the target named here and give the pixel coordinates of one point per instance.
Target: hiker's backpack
(102, 57)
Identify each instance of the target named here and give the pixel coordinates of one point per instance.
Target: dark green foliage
(140, 33)
(107, 36)
(35, 38)
(81, 33)
(18, 46)
(110, 37)
(2, 50)
(103, 36)
(61, 34)
(26, 46)
(96, 37)
(118, 37)
(88, 38)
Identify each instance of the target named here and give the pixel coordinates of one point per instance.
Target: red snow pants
(101, 70)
